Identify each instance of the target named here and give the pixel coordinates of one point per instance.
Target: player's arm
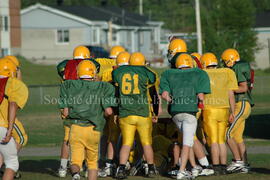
(166, 96)
(63, 106)
(12, 109)
(232, 106)
(108, 111)
(242, 87)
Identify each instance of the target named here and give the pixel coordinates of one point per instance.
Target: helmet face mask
(230, 57)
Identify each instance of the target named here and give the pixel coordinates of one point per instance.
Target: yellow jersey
(221, 81)
(106, 68)
(16, 91)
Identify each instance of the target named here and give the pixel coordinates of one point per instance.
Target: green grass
(43, 168)
(34, 74)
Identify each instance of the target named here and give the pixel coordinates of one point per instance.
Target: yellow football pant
(84, 143)
(215, 122)
(66, 131)
(130, 124)
(19, 134)
(114, 130)
(236, 129)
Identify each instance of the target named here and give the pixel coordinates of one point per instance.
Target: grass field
(45, 168)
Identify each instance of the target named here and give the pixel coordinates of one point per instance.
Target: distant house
(10, 32)
(51, 33)
(262, 27)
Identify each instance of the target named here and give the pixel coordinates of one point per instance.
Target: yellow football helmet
(115, 50)
(7, 68)
(86, 69)
(230, 57)
(81, 52)
(137, 59)
(184, 61)
(123, 59)
(177, 45)
(209, 59)
(14, 60)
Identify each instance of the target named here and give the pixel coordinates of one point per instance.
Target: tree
(229, 24)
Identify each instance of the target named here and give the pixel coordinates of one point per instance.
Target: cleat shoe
(235, 166)
(223, 169)
(76, 176)
(173, 172)
(152, 172)
(102, 174)
(183, 175)
(206, 171)
(196, 171)
(245, 169)
(17, 175)
(108, 169)
(145, 169)
(62, 172)
(128, 166)
(120, 173)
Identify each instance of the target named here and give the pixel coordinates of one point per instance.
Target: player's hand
(231, 118)
(6, 138)
(155, 119)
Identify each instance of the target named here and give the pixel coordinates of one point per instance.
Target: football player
(113, 127)
(13, 96)
(218, 109)
(84, 103)
(135, 110)
(68, 71)
(244, 102)
(181, 88)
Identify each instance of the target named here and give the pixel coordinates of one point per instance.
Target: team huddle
(119, 98)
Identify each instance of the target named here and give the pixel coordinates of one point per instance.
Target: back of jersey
(71, 69)
(132, 82)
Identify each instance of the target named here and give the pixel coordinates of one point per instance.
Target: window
(62, 36)
(95, 36)
(4, 51)
(4, 23)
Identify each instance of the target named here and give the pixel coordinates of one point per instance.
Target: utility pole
(198, 26)
(141, 7)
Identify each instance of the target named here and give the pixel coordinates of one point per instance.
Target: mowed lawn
(45, 168)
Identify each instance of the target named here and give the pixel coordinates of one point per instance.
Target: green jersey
(132, 82)
(183, 86)
(86, 101)
(242, 71)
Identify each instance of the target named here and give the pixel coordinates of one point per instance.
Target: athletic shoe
(152, 172)
(108, 169)
(183, 175)
(62, 172)
(17, 175)
(120, 173)
(128, 166)
(173, 172)
(206, 171)
(145, 169)
(235, 166)
(76, 176)
(196, 171)
(102, 174)
(245, 169)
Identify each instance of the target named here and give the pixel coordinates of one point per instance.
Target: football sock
(63, 163)
(204, 161)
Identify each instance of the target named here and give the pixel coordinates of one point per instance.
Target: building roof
(262, 19)
(118, 15)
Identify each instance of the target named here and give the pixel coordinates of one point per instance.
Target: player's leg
(91, 146)
(9, 152)
(114, 133)
(62, 171)
(188, 124)
(242, 111)
(19, 134)
(196, 170)
(128, 129)
(77, 150)
(144, 127)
